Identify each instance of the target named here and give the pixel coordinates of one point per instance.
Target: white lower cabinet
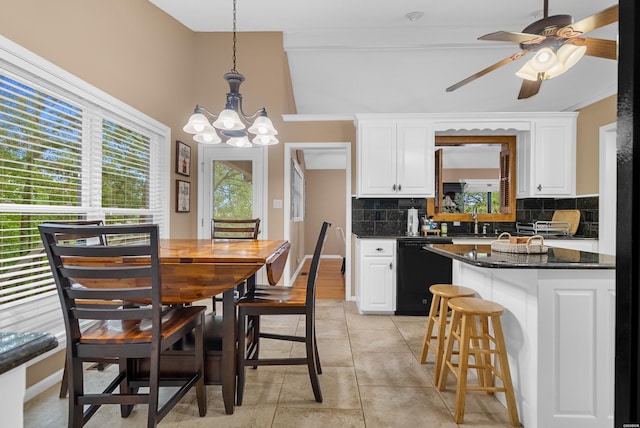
(376, 276)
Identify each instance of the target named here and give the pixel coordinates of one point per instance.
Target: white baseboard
(46, 383)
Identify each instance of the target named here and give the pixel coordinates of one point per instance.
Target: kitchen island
(559, 328)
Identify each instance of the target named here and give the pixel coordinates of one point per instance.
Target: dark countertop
(479, 236)
(18, 348)
(555, 258)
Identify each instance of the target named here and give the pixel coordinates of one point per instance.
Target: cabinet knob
(379, 249)
(539, 187)
(399, 187)
(394, 187)
(391, 266)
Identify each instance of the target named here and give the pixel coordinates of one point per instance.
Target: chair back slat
(96, 294)
(104, 272)
(119, 313)
(101, 250)
(235, 228)
(101, 239)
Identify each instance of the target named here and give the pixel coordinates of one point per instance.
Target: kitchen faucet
(474, 216)
(484, 228)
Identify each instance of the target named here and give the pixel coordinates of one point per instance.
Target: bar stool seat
(438, 317)
(470, 328)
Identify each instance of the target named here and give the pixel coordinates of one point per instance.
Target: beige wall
(590, 119)
(325, 202)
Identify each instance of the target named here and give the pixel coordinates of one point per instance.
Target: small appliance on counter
(413, 223)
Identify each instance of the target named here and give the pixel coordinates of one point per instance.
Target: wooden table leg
(228, 370)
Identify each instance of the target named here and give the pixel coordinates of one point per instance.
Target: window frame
(42, 312)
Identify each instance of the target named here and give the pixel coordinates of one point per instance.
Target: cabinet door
(415, 174)
(554, 158)
(378, 284)
(377, 159)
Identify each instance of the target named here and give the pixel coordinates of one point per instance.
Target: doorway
(232, 184)
(342, 152)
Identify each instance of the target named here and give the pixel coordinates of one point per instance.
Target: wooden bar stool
(470, 328)
(438, 316)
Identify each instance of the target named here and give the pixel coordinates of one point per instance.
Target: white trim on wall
(607, 209)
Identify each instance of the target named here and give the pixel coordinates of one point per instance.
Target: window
(67, 152)
(474, 172)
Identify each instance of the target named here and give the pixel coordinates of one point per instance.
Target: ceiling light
(543, 60)
(551, 64)
(229, 124)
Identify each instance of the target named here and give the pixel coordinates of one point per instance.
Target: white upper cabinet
(395, 158)
(395, 153)
(547, 162)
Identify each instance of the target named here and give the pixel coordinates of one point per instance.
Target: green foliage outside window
(232, 190)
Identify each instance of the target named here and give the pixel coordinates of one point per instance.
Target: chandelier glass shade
(230, 124)
(551, 63)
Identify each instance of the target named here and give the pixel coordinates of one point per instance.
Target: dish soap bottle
(443, 229)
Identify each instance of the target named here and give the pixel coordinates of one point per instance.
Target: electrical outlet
(277, 203)
(456, 223)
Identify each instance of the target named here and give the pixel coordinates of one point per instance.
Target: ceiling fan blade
(509, 36)
(598, 47)
(590, 23)
(486, 70)
(529, 88)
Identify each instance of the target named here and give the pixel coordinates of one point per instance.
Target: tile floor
(371, 378)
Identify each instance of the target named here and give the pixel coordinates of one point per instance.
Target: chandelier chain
(233, 70)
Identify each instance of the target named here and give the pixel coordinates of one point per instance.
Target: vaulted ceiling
(366, 56)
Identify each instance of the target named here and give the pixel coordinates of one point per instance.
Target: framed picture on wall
(183, 158)
(183, 195)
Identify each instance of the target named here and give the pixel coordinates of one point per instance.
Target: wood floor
(330, 282)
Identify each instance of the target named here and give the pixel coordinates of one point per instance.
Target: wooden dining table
(196, 269)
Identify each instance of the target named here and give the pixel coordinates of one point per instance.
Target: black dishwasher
(416, 270)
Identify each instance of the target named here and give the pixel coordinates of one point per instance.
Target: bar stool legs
(438, 313)
(470, 328)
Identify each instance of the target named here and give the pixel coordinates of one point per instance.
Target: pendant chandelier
(229, 124)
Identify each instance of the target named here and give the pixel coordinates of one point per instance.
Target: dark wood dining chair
(269, 300)
(235, 228)
(138, 327)
(89, 239)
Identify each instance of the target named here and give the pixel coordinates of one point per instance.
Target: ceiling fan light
(197, 123)
(570, 54)
(527, 72)
(229, 121)
(555, 71)
(543, 60)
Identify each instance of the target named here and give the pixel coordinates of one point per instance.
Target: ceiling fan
(557, 46)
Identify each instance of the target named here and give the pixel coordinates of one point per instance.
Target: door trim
(288, 150)
(608, 189)
(257, 154)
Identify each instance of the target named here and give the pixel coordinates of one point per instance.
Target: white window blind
(67, 152)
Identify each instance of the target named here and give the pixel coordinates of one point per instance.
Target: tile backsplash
(388, 217)
(543, 208)
(384, 216)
